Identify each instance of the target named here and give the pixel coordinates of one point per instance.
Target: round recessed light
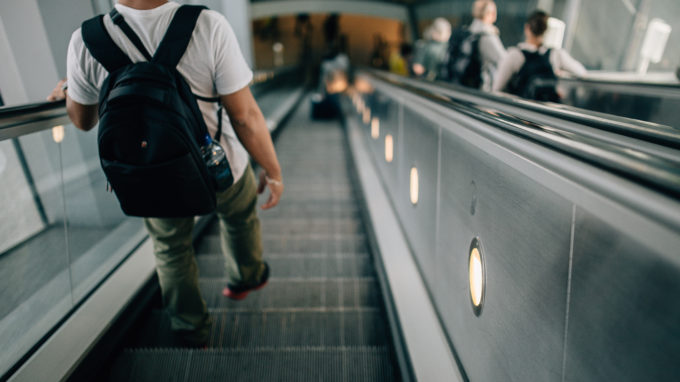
(476, 276)
(414, 185)
(389, 148)
(375, 128)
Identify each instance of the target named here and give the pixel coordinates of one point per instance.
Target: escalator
(321, 315)
(370, 279)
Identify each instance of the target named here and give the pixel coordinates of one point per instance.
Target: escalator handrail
(656, 172)
(12, 118)
(627, 83)
(648, 131)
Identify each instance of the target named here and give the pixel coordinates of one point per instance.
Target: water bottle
(218, 165)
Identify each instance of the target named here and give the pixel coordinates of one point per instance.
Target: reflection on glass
(60, 235)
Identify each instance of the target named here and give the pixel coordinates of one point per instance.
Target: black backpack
(463, 64)
(150, 126)
(536, 79)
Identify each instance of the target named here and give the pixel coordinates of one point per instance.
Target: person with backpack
(474, 51)
(530, 70)
(432, 52)
(156, 76)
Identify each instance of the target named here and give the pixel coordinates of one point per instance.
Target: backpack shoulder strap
(178, 35)
(119, 20)
(98, 41)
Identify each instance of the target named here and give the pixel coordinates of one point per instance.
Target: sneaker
(239, 292)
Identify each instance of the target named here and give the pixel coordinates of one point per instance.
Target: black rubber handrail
(647, 131)
(13, 116)
(627, 83)
(656, 172)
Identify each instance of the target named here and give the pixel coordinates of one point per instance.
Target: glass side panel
(99, 234)
(61, 233)
(34, 265)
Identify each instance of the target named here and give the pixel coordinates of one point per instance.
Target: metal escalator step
(297, 294)
(276, 244)
(313, 226)
(356, 327)
(286, 266)
(276, 328)
(300, 211)
(259, 364)
(282, 225)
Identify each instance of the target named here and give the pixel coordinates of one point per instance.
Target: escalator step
(293, 364)
(358, 327)
(287, 266)
(296, 226)
(313, 226)
(276, 328)
(301, 294)
(277, 244)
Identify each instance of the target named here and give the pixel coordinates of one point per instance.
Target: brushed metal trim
(428, 348)
(634, 209)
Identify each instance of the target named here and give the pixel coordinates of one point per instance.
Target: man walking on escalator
(213, 67)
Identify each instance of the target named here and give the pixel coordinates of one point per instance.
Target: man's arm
(84, 117)
(510, 64)
(251, 129)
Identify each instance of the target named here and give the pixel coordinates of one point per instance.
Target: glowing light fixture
(414, 185)
(375, 128)
(389, 148)
(367, 115)
(476, 276)
(58, 133)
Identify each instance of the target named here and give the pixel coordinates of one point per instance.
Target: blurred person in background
(432, 52)
(474, 51)
(530, 70)
(491, 49)
(400, 60)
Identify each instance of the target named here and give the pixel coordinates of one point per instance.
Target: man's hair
(538, 23)
(481, 7)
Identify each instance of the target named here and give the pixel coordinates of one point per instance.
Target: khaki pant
(176, 264)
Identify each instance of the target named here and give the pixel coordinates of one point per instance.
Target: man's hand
(58, 93)
(275, 189)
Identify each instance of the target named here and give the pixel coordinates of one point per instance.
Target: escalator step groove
(308, 267)
(255, 364)
(298, 293)
(274, 244)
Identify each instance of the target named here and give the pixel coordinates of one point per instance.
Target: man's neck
(536, 42)
(142, 4)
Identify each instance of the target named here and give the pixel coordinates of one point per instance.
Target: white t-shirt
(560, 60)
(212, 65)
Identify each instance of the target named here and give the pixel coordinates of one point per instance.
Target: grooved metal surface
(298, 294)
(302, 243)
(299, 266)
(256, 364)
(321, 315)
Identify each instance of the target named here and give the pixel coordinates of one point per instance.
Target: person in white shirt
(213, 66)
(491, 49)
(534, 30)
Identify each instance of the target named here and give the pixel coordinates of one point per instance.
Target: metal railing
(575, 237)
